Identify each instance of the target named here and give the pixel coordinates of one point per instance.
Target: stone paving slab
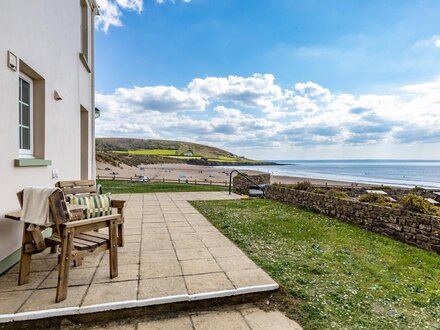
(170, 250)
(239, 317)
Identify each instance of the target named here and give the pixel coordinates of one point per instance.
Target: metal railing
(164, 180)
(244, 175)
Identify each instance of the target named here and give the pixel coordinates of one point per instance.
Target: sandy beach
(196, 172)
(168, 172)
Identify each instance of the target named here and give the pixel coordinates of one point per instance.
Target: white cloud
(111, 11)
(313, 90)
(437, 43)
(131, 4)
(157, 98)
(109, 14)
(258, 91)
(160, 2)
(254, 111)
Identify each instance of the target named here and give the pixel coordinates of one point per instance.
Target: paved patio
(239, 317)
(171, 254)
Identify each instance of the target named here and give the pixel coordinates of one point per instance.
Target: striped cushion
(97, 205)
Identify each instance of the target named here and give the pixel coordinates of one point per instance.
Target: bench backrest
(58, 208)
(77, 187)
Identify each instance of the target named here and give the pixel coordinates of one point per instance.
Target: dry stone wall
(241, 185)
(413, 228)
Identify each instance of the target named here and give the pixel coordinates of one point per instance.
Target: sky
(273, 79)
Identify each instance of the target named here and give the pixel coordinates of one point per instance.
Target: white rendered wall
(46, 35)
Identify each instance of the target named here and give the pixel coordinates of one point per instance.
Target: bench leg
(64, 265)
(77, 260)
(113, 242)
(25, 268)
(121, 234)
(25, 260)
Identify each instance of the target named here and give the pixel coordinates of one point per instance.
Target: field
(126, 187)
(333, 275)
(184, 157)
(134, 152)
(176, 154)
(228, 160)
(154, 152)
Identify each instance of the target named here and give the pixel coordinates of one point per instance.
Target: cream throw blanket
(36, 206)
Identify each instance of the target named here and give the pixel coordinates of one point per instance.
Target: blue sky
(273, 79)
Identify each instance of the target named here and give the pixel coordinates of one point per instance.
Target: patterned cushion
(97, 205)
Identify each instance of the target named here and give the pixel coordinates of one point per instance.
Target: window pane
(19, 113)
(25, 115)
(26, 140)
(21, 141)
(25, 92)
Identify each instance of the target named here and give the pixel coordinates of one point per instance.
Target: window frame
(26, 153)
(85, 29)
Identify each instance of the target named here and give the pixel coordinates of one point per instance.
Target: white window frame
(27, 153)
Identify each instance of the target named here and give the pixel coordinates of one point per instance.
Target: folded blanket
(36, 206)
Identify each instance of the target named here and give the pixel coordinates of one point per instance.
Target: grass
(228, 160)
(126, 187)
(184, 157)
(155, 152)
(166, 153)
(333, 275)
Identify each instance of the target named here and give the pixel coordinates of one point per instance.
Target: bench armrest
(92, 221)
(118, 203)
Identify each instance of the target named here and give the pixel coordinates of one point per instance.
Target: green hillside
(136, 151)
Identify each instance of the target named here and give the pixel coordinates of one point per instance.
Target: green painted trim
(14, 257)
(27, 162)
(10, 261)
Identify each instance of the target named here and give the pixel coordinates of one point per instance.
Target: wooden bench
(74, 237)
(89, 187)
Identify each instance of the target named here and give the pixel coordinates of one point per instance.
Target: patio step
(53, 318)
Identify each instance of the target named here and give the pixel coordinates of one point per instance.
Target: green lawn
(333, 275)
(126, 187)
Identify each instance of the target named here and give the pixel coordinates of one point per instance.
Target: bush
(378, 199)
(303, 185)
(337, 193)
(373, 198)
(418, 204)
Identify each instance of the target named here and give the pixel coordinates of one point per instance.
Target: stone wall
(413, 228)
(241, 185)
(394, 192)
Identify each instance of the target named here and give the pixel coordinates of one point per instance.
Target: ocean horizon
(402, 173)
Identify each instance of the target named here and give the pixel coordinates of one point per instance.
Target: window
(25, 108)
(84, 30)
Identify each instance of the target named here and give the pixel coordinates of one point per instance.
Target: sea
(402, 173)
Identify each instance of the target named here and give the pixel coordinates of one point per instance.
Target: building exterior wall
(45, 36)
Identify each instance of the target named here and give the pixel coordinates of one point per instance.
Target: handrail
(247, 178)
